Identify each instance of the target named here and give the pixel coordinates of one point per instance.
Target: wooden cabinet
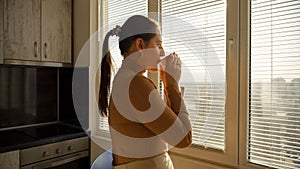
(56, 30)
(10, 160)
(37, 30)
(1, 29)
(22, 29)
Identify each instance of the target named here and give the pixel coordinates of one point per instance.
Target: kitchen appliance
(69, 154)
(56, 145)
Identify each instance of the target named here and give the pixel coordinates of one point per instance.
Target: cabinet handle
(36, 49)
(70, 148)
(46, 50)
(46, 154)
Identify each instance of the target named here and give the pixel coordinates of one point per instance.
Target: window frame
(236, 119)
(100, 137)
(244, 53)
(244, 18)
(244, 26)
(244, 85)
(229, 156)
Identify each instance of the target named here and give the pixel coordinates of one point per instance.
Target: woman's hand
(170, 69)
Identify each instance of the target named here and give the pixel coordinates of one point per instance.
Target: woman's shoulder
(140, 79)
(124, 77)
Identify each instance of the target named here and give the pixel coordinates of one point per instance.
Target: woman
(142, 124)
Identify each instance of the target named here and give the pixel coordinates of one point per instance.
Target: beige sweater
(142, 125)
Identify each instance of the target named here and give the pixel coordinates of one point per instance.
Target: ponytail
(135, 27)
(106, 71)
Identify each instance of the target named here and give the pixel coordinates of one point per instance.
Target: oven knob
(45, 153)
(70, 148)
(59, 150)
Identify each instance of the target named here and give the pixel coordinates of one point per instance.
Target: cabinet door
(22, 29)
(10, 160)
(1, 29)
(56, 30)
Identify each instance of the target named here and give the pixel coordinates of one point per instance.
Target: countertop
(23, 138)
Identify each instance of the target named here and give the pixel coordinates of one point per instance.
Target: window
(112, 14)
(237, 55)
(202, 48)
(196, 30)
(274, 83)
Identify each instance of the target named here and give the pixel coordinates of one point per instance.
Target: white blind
(274, 97)
(116, 12)
(196, 31)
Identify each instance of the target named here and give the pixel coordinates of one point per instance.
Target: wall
(81, 25)
(84, 26)
(181, 162)
(95, 151)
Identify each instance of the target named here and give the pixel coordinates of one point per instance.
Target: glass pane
(274, 97)
(196, 30)
(114, 14)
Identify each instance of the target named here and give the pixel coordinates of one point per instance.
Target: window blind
(196, 30)
(116, 12)
(274, 83)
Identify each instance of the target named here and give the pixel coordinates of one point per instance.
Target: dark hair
(135, 27)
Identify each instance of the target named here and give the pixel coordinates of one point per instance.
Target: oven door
(79, 160)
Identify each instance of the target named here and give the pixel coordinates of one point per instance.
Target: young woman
(142, 124)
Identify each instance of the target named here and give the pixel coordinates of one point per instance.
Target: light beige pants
(162, 161)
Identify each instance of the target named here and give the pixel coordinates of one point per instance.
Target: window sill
(102, 139)
(212, 156)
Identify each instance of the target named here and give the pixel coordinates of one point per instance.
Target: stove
(50, 131)
(56, 145)
(38, 135)
(14, 137)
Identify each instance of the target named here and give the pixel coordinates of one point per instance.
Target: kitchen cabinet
(56, 30)
(38, 31)
(1, 29)
(10, 160)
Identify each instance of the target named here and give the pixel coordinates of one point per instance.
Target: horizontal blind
(196, 30)
(116, 12)
(274, 93)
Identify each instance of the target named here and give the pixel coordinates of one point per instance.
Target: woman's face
(152, 52)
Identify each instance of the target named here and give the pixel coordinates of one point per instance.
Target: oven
(69, 154)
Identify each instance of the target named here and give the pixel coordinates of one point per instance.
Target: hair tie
(116, 31)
